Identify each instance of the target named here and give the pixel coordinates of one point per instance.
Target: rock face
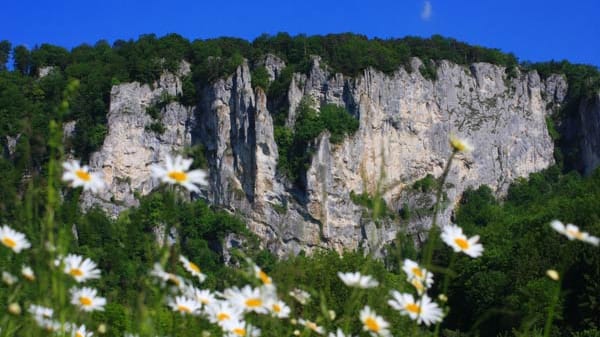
(405, 122)
(130, 146)
(589, 129)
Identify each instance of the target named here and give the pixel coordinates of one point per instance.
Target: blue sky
(534, 30)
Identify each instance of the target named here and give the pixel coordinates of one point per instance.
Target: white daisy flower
(47, 324)
(237, 328)
(248, 298)
(262, 276)
(358, 280)
(453, 236)
(338, 333)
(81, 269)
(460, 145)
(13, 239)
(373, 323)
(80, 331)
(300, 295)
(192, 268)
(176, 172)
(222, 311)
(86, 299)
(40, 311)
(77, 176)
(422, 310)
(202, 296)
(312, 326)
(419, 277)
(572, 232)
(164, 277)
(185, 305)
(27, 273)
(8, 278)
(278, 308)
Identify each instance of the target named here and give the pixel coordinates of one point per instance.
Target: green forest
(505, 292)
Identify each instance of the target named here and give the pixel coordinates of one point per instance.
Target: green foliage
(156, 127)
(428, 70)
(5, 47)
(426, 184)
(296, 147)
(260, 78)
(375, 204)
(507, 287)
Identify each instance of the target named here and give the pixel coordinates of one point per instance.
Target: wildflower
(300, 295)
(443, 298)
(163, 276)
(47, 324)
(262, 276)
(419, 277)
(338, 333)
(175, 173)
(81, 176)
(27, 273)
(423, 310)
(8, 278)
(358, 280)
(192, 268)
(80, 331)
(572, 232)
(185, 305)
(248, 298)
(453, 236)
(204, 297)
(222, 311)
(86, 299)
(460, 145)
(373, 323)
(237, 328)
(102, 329)
(81, 270)
(553, 274)
(13, 239)
(312, 325)
(40, 311)
(278, 308)
(14, 308)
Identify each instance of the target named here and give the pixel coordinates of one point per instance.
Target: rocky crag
(405, 122)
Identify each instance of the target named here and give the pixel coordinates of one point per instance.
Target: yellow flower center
(264, 277)
(276, 308)
(462, 243)
(183, 308)
(194, 267)
(311, 325)
(76, 272)
(417, 271)
(239, 331)
(81, 174)
(418, 285)
(223, 316)
(85, 301)
(79, 334)
(28, 276)
(412, 307)
(204, 300)
(575, 233)
(178, 176)
(253, 302)
(8, 242)
(371, 324)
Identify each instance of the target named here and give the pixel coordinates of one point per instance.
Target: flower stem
(433, 231)
(551, 309)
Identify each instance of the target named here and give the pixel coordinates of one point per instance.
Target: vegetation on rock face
(296, 146)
